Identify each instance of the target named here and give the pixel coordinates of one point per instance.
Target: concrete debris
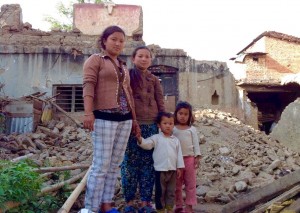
(236, 158)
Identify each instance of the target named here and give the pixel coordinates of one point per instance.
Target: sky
(204, 29)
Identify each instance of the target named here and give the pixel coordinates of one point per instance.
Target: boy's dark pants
(165, 185)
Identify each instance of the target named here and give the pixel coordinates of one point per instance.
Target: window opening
(69, 97)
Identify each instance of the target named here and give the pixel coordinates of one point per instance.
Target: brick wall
(283, 57)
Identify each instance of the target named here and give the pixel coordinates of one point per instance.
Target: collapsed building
(271, 85)
(237, 158)
(35, 61)
(50, 63)
(267, 60)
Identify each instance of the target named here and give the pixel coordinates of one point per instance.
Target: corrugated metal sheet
(18, 117)
(18, 124)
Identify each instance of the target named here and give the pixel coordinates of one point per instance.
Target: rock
(240, 186)
(212, 196)
(202, 190)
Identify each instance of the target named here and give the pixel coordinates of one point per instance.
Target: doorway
(168, 77)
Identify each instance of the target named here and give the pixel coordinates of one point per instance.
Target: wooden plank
(263, 194)
(283, 197)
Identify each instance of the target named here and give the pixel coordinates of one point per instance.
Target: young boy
(168, 161)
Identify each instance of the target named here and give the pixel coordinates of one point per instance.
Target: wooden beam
(263, 194)
(62, 168)
(283, 197)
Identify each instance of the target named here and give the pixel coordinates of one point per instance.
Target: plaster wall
(24, 74)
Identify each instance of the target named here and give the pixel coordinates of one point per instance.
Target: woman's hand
(136, 130)
(88, 121)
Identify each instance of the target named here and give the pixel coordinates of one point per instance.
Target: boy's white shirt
(167, 154)
(189, 141)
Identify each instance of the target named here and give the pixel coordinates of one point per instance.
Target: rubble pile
(235, 157)
(57, 144)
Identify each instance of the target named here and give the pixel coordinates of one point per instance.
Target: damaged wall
(32, 60)
(270, 56)
(268, 59)
(287, 131)
(91, 19)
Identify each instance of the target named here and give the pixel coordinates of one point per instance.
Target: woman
(109, 113)
(137, 168)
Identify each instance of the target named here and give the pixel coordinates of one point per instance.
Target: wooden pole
(72, 198)
(61, 184)
(62, 168)
(78, 123)
(21, 158)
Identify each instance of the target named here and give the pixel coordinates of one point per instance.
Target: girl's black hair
(135, 75)
(107, 32)
(160, 115)
(185, 105)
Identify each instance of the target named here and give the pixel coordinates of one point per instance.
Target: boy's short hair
(163, 114)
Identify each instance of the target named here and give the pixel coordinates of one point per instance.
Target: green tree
(65, 22)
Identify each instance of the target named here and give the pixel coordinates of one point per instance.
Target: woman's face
(114, 44)
(142, 59)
